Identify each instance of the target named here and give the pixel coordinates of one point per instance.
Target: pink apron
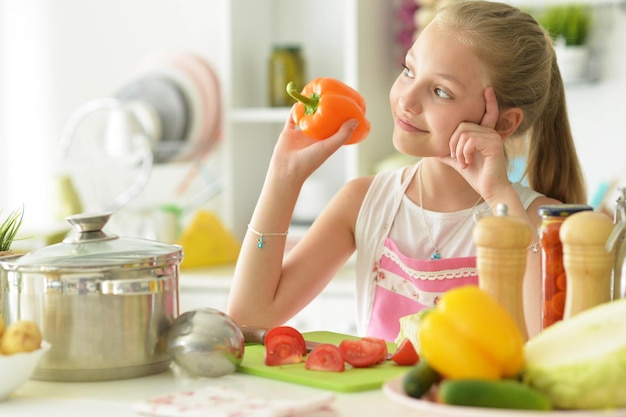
(405, 285)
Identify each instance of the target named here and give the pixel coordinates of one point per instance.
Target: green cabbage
(410, 328)
(580, 363)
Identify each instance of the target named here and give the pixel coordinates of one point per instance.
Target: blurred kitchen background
(159, 108)
(63, 62)
(160, 111)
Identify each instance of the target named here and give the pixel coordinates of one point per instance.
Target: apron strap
(396, 204)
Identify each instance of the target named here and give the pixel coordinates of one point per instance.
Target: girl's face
(442, 85)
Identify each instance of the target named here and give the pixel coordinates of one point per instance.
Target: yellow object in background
(207, 242)
(67, 200)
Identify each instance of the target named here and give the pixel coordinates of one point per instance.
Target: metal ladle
(205, 343)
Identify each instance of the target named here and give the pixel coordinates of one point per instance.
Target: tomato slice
(286, 330)
(282, 349)
(361, 353)
(325, 357)
(383, 346)
(405, 355)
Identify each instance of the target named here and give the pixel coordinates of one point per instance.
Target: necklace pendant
(435, 256)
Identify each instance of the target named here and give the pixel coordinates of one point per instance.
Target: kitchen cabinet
(351, 40)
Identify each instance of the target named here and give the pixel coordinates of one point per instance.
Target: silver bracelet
(260, 242)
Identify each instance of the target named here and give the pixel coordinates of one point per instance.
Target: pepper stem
(310, 103)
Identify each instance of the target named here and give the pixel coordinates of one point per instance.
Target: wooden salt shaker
(501, 247)
(588, 264)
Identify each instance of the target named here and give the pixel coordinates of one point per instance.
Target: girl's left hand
(477, 151)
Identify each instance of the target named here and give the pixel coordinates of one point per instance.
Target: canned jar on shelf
(553, 277)
(286, 64)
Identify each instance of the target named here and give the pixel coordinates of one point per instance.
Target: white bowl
(16, 369)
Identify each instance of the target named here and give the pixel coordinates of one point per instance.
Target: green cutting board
(351, 380)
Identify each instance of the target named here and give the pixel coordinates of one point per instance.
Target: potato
(21, 336)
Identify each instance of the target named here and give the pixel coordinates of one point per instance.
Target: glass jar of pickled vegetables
(286, 64)
(553, 278)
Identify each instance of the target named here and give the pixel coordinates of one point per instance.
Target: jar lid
(562, 210)
(89, 247)
(290, 47)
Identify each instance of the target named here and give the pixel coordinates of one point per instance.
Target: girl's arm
(267, 290)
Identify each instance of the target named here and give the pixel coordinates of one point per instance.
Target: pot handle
(139, 286)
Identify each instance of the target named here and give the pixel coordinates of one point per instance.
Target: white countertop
(222, 277)
(115, 398)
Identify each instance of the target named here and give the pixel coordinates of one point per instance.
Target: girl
(479, 76)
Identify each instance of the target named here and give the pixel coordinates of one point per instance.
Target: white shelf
(259, 115)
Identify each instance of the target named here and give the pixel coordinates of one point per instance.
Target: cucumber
(419, 379)
(505, 393)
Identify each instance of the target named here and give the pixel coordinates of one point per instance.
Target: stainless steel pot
(103, 302)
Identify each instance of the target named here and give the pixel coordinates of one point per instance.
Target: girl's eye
(407, 71)
(441, 93)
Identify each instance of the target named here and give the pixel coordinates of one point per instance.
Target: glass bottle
(553, 278)
(619, 244)
(286, 64)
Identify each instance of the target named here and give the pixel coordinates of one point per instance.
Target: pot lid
(89, 246)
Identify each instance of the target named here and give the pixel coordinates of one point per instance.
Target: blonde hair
(519, 57)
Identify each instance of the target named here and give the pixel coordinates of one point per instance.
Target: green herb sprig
(9, 228)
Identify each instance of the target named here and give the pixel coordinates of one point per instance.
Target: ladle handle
(253, 334)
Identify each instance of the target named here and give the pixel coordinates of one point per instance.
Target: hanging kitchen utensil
(110, 160)
(200, 85)
(171, 106)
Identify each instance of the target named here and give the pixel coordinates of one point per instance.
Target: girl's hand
(300, 155)
(477, 151)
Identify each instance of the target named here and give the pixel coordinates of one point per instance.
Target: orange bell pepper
(324, 105)
(470, 335)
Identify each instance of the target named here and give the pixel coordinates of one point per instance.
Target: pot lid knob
(89, 227)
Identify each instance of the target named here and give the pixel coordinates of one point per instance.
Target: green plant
(570, 22)
(9, 228)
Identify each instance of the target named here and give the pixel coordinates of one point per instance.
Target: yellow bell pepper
(471, 335)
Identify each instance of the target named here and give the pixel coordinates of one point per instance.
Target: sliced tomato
(383, 346)
(286, 330)
(361, 353)
(325, 357)
(405, 354)
(283, 349)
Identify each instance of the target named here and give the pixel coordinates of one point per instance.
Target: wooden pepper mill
(587, 262)
(501, 247)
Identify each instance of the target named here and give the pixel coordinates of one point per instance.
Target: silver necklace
(437, 253)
